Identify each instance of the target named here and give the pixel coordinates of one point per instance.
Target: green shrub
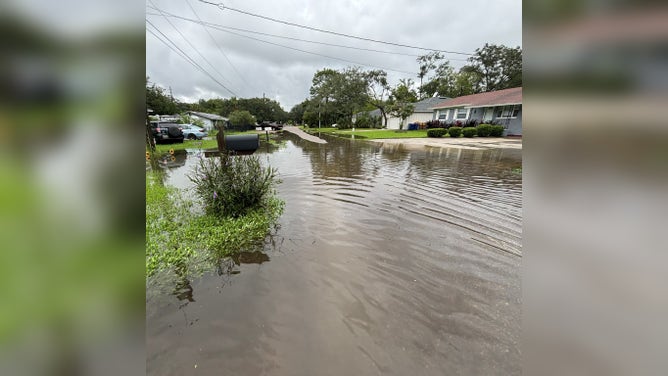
(455, 131)
(229, 186)
(496, 131)
(182, 241)
(484, 130)
(469, 131)
(436, 132)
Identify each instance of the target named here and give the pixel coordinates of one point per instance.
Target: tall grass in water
(230, 186)
(181, 239)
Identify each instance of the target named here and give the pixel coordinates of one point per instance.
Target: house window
(461, 113)
(442, 115)
(508, 112)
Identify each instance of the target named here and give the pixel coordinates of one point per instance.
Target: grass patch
(370, 134)
(212, 143)
(180, 239)
(374, 134)
(187, 144)
(320, 130)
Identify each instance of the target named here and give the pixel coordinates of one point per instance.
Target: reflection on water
(250, 258)
(386, 260)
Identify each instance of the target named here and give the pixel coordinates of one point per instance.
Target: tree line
(263, 109)
(336, 96)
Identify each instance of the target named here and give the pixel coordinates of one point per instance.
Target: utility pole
(318, 115)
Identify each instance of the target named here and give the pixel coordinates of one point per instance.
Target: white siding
(393, 123)
(208, 124)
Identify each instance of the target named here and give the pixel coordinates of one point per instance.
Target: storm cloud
(240, 63)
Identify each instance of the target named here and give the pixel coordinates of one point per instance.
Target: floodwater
(387, 261)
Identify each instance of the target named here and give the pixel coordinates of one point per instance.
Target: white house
(421, 113)
(502, 106)
(210, 120)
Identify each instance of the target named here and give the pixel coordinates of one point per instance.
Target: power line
(191, 45)
(218, 26)
(186, 57)
(307, 52)
(175, 47)
(217, 45)
(172, 48)
(222, 6)
(315, 53)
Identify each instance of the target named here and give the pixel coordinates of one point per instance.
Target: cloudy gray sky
(245, 67)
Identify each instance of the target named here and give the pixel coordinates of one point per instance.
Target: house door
(488, 115)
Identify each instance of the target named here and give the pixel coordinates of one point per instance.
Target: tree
(499, 67)
(158, 100)
(378, 90)
(211, 106)
(264, 109)
(401, 101)
(242, 120)
(296, 114)
(441, 83)
(427, 64)
(339, 93)
(450, 83)
(322, 91)
(187, 119)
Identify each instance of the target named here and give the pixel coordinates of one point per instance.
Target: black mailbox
(242, 143)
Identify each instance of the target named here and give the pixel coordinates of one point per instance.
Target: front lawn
(373, 134)
(369, 134)
(185, 241)
(187, 144)
(319, 130)
(208, 144)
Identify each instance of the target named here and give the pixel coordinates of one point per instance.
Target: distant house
(168, 118)
(210, 120)
(422, 112)
(502, 106)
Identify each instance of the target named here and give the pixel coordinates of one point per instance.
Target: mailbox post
(240, 144)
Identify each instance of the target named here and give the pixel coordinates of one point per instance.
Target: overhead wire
(217, 45)
(191, 45)
(219, 26)
(308, 52)
(222, 7)
(172, 48)
(315, 53)
(186, 57)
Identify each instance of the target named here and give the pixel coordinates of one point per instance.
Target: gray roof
(375, 113)
(423, 106)
(426, 105)
(207, 115)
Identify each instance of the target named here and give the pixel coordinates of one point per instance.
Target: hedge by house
(436, 132)
(455, 131)
(484, 130)
(497, 131)
(469, 131)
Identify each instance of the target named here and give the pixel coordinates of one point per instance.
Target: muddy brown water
(387, 261)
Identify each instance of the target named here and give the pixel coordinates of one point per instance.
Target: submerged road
(304, 135)
(386, 260)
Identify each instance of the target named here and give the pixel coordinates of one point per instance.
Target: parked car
(166, 132)
(273, 125)
(193, 132)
